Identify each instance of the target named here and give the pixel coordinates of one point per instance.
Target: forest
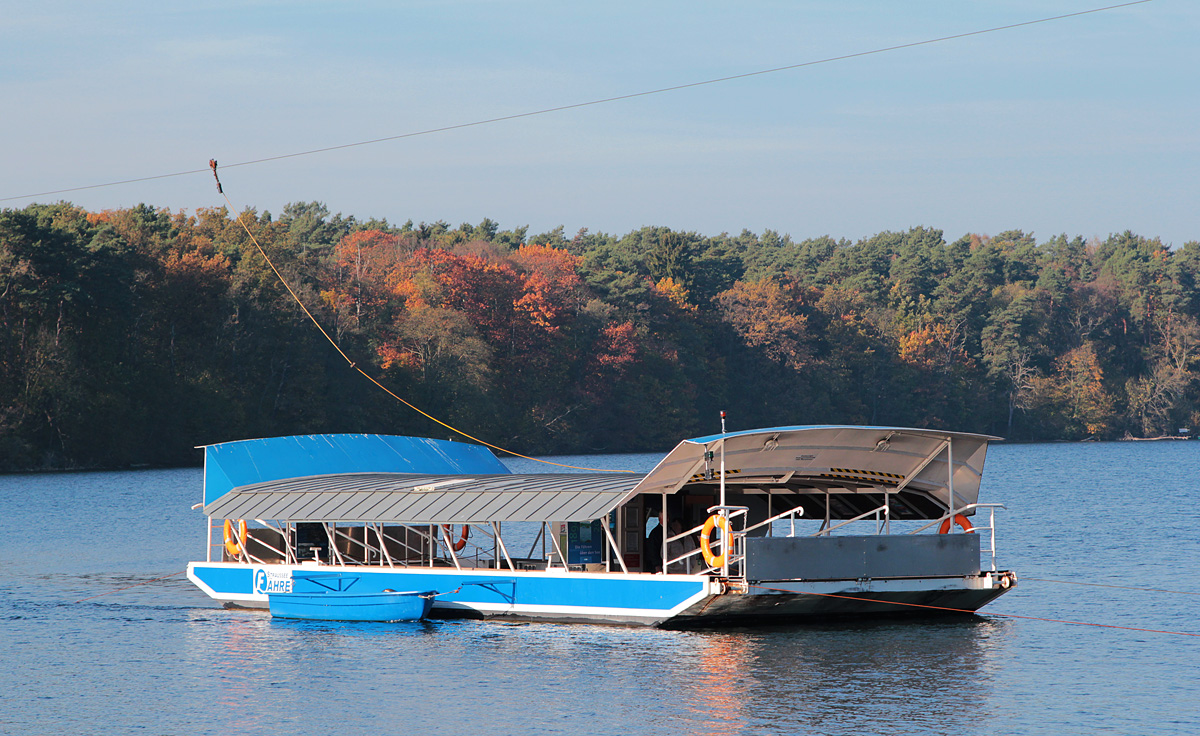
(131, 336)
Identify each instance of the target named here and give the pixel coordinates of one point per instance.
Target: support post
(728, 532)
(500, 543)
(662, 522)
(950, 475)
(614, 549)
(450, 547)
(557, 547)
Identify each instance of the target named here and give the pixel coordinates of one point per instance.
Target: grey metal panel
(523, 505)
(342, 504)
(546, 504)
(442, 506)
(487, 504)
(420, 507)
(369, 506)
(560, 505)
(852, 558)
(400, 507)
(507, 508)
(277, 507)
(427, 499)
(308, 504)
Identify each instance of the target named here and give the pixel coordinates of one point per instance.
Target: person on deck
(679, 547)
(654, 541)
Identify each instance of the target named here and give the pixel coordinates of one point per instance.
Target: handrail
(798, 511)
(244, 555)
(410, 551)
(686, 555)
(281, 552)
(734, 535)
(860, 517)
(351, 542)
(680, 558)
(990, 528)
(957, 511)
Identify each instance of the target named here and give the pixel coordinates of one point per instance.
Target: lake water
(163, 658)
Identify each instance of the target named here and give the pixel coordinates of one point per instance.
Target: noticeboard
(582, 541)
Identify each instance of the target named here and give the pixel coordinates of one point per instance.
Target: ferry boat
(776, 525)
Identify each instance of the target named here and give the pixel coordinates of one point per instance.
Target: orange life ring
(235, 545)
(961, 521)
(462, 539)
(712, 522)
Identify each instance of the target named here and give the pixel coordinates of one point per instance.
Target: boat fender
(712, 522)
(961, 521)
(462, 539)
(235, 545)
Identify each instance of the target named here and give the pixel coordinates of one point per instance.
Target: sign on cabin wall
(582, 541)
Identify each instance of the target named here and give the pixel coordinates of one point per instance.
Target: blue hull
(555, 595)
(411, 606)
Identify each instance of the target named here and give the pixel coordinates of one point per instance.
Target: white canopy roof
(818, 457)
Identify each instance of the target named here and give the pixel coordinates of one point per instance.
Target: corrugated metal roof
(401, 498)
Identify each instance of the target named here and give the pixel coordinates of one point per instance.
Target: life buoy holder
(462, 539)
(235, 545)
(961, 521)
(712, 522)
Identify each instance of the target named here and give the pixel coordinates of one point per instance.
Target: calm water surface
(164, 659)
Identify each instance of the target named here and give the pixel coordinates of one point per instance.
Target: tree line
(133, 335)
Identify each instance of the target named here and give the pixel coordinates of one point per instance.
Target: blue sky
(1085, 126)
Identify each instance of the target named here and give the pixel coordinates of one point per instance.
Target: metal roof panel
(427, 499)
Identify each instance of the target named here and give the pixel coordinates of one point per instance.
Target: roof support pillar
(613, 545)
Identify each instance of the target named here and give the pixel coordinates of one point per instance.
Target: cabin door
(630, 533)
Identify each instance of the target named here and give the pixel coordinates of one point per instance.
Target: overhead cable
(589, 103)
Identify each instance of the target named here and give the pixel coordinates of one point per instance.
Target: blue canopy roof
(231, 465)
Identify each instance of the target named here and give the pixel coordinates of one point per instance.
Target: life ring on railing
(712, 522)
(462, 539)
(235, 545)
(961, 521)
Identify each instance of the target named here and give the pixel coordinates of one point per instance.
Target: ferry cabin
(780, 524)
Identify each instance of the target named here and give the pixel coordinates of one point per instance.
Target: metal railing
(879, 512)
(734, 564)
(990, 528)
(488, 547)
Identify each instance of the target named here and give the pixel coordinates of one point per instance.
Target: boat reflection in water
(937, 677)
(835, 679)
(723, 676)
(768, 527)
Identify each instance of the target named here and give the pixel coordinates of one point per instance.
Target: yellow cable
(364, 373)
